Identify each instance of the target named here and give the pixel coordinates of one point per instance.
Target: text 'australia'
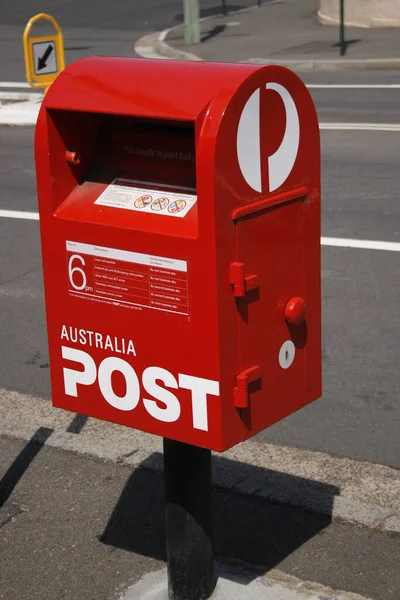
(93, 339)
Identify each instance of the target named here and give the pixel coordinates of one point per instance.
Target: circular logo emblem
(248, 141)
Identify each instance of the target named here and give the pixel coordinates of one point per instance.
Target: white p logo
(248, 145)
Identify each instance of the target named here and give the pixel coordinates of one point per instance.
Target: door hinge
(241, 391)
(241, 283)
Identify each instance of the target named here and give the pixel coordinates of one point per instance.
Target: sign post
(191, 14)
(342, 42)
(44, 55)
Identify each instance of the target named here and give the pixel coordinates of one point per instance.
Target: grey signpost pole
(342, 43)
(191, 17)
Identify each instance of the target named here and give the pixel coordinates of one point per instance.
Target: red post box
(180, 224)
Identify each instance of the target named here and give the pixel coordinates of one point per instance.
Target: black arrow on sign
(43, 59)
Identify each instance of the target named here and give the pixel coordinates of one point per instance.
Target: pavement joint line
(325, 241)
(350, 491)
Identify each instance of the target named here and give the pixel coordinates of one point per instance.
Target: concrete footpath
(74, 527)
(82, 516)
(285, 33)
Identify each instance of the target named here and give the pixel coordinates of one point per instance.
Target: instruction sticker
(125, 193)
(124, 278)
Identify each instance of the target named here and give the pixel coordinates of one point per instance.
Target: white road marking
(354, 86)
(14, 84)
(364, 244)
(19, 214)
(361, 126)
(325, 241)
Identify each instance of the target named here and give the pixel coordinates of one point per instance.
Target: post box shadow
(22, 463)
(247, 528)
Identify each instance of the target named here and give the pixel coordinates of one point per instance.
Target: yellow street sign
(44, 56)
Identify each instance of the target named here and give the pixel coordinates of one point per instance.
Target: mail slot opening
(151, 150)
(145, 167)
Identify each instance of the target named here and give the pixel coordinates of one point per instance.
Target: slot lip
(297, 193)
(157, 185)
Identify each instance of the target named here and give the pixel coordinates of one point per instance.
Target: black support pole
(189, 522)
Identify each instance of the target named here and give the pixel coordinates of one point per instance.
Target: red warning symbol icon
(143, 201)
(160, 204)
(177, 206)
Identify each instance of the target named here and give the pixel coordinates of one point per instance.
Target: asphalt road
(359, 414)
(104, 28)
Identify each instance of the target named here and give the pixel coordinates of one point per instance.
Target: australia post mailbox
(180, 225)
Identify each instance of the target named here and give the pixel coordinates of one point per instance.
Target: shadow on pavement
(346, 44)
(249, 529)
(27, 455)
(213, 33)
(77, 423)
(22, 463)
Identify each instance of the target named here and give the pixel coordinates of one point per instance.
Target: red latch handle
(237, 278)
(251, 282)
(241, 391)
(241, 284)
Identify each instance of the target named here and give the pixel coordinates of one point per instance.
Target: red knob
(295, 311)
(72, 157)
